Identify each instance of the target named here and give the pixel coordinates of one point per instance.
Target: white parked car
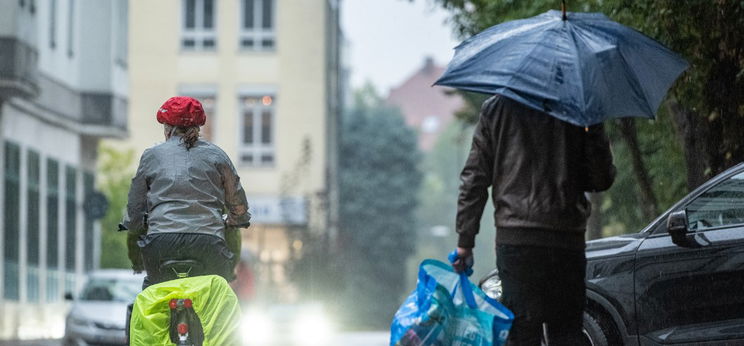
(98, 314)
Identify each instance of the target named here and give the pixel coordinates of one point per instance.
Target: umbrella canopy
(582, 70)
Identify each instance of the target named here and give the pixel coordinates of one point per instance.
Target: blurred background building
(63, 87)
(425, 108)
(267, 73)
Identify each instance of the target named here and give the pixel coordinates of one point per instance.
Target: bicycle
(189, 309)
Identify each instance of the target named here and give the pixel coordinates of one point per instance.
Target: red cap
(182, 111)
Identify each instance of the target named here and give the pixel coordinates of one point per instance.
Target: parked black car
(679, 281)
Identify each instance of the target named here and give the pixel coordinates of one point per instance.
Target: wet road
(31, 343)
(343, 339)
(363, 339)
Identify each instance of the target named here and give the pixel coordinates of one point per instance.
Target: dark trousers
(210, 251)
(543, 285)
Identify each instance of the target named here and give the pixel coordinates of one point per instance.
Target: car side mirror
(68, 296)
(678, 228)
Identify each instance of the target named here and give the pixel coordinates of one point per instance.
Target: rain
(353, 127)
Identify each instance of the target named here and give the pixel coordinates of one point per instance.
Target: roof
(426, 108)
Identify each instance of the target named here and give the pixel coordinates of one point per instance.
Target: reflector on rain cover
(213, 301)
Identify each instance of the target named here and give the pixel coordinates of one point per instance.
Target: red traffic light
(173, 303)
(187, 303)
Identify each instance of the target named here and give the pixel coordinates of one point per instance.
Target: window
(257, 130)
(208, 102)
(88, 183)
(32, 222)
(123, 290)
(70, 226)
(70, 28)
(199, 25)
(52, 23)
(52, 230)
(720, 206)
(257, 25)
(121, 32)
(11, 216)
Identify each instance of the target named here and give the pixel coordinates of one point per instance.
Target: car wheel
(593, 333)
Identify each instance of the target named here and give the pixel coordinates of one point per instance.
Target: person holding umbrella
(539, 144)
(538, 168)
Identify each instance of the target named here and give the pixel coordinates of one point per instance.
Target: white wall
(96, 48)
(55, 62)
(31, 132)
(17, 21)
(91, 67)
(119, 43)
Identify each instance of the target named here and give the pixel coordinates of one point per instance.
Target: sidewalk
(381, 338)
(30, 343)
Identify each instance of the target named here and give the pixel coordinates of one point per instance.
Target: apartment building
(63, 87)
(267, 73)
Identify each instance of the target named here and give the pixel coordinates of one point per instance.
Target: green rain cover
(213, 300)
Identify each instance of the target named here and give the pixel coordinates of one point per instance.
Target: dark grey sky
(389, 39)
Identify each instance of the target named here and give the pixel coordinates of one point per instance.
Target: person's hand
(464, 259)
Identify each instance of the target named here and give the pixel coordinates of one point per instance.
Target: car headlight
(493, 288)
(312, 329)
(257, 329)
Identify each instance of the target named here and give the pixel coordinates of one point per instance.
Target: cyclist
(178, 196)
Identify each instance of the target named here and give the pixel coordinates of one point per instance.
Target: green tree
(379, 181)
(438, 195)
(665, 168)
(114, 176)
(708, 103)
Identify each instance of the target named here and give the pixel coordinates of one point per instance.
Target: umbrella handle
(563, 9)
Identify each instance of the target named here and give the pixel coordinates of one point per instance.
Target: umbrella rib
(579, 74)
(521, 68)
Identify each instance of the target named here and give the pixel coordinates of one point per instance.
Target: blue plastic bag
(447, 309)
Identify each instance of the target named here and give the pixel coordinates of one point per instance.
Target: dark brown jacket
(538, 168)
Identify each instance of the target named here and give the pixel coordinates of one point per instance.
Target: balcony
(104, 114)
(18, 69)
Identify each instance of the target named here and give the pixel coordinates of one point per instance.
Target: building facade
(63, 87)
(266, 72)
(427, 109)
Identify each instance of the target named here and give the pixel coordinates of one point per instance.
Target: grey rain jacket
(538, 168)
(186, 191)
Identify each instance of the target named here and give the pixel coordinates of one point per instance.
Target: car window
(660, 227)
(111, 290)
(720, 206)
